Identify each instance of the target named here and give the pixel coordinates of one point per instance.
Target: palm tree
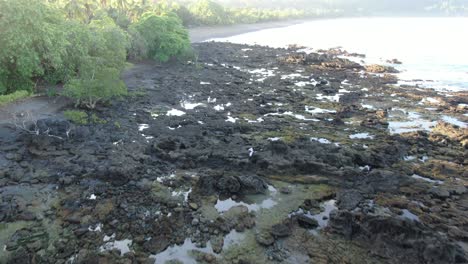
(122, 5)
(104, 3)
(74, 9)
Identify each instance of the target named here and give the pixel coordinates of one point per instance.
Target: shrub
(119, 17)
(95, 85)
(9, 98)
(76, 51)
(32, 41)
(164, 35)
(168, 6)
(96, 120)
(98, 70)
(138, 48)
(185, 15)
(77, 117)
(117, 124)
(108, 44)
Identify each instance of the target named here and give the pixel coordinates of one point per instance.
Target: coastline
(204, 33)
(325, 154)
(199, 34)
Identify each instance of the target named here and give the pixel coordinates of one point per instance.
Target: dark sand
(200, 34)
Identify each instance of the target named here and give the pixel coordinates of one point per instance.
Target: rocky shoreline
(248, 155)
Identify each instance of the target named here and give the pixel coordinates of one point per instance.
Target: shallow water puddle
(174, 128)
(233, 238)
(182, 193)
(413, 122)
(183, 253)
(297, 116)
(274, 139)
(343, 91)
(154, 115)
(324, 141)
(365, 168)
(418, 177)
(367, 106)
(454, 121)
(322, 217)
(406, 214)
(258, 202)
(251, 152)
(72, 259)
(259, 120)
(96, 228)
(345, 82)
(305, 83)
(292, 76)
(122, 245)
(224, 205)
(142, 127)
(332, 98)
(430, 101)
(321, 140)
(219, 108)
(316, 110)
(161, 179)
(361, 136)
(262, 73)
(230, 66)
(190, 106)
(429, 108)
(175, 112)
(411, 158)
(231, 119)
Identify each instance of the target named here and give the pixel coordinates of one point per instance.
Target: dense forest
(83, 45)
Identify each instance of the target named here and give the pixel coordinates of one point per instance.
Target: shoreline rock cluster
(234, 158)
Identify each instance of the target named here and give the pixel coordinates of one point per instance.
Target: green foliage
(164, 35)
(84, 44)
(108, 44)
(95, 84)
(77, 117)
(139, 92)
(51, 91)
(170, 6)
(100, 64)
(138, 47)
(32, 41)
(208, 12)
(117, 124)
(9, 98)
(76, 49)
(96, 120)
(253, 15)
(120, 18)
(185, 15)
(82, 118)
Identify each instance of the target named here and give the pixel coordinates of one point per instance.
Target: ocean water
(434, 51)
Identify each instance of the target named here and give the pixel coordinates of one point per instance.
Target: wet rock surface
(273, 135)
